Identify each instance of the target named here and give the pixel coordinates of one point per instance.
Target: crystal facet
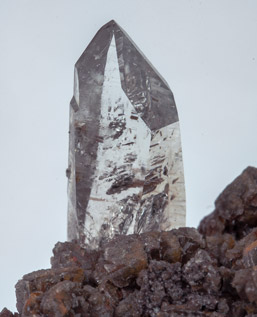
(125, 162)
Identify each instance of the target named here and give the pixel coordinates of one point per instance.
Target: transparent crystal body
(125, 160)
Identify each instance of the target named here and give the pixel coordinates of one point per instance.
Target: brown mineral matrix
(235, 208)
(182, 272)
(6, 313)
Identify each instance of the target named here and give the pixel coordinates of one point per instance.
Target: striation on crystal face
(125, 161)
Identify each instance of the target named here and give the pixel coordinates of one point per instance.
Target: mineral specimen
(179, 272)
(125, 162)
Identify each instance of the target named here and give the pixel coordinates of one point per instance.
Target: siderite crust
(235, 208)
(180, 272)
(125, 162)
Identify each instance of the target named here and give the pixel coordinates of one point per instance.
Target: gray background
(207, 52)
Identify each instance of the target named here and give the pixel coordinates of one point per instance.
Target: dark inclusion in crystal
(125, 162)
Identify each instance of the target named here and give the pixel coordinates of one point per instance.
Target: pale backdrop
(207, 52)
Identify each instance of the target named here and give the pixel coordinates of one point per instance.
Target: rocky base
(211, 271)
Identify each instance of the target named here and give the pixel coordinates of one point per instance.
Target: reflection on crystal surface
(125, 162)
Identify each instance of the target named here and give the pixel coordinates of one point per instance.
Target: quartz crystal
(125, 162)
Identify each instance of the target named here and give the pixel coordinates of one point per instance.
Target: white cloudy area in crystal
(115, 153)
(136, 152)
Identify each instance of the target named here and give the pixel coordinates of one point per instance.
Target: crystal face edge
(84, 129)
(144, 86)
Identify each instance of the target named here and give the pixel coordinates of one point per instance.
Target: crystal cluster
(181, 272)
(125, 162)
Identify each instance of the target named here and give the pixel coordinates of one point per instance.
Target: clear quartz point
(125, 160)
